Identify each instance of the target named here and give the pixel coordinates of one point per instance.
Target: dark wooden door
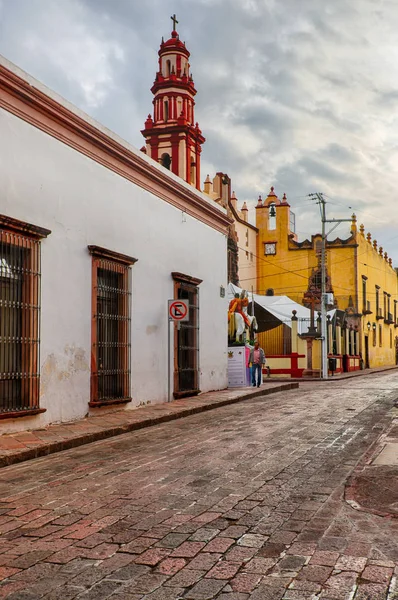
(186, 380)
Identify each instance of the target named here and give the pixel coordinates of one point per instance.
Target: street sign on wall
(179, 310)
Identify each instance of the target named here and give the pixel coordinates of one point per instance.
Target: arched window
(269, 292)
(165, 160)
(168, 68)
(192, 174)
(272, 216)
(166, 110)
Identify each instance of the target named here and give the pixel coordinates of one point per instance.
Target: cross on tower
(174, 19)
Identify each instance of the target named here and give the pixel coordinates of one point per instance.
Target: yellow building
(359, 274)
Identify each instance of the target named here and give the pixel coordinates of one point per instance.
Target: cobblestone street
(243, 502)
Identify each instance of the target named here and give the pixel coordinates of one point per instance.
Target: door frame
(185, 281)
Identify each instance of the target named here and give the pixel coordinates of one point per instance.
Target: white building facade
(95, 238)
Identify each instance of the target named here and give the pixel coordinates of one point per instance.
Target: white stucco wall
(44, 182)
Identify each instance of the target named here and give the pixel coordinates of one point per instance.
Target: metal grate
(111, 347)
(188, 341)
(19, 322)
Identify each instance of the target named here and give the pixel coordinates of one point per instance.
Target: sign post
(177, 311)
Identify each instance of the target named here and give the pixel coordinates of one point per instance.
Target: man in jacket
(256, 361)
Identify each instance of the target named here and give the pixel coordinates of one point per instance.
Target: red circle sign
(178, 310)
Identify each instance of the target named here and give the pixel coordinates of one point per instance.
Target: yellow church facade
(359, 274)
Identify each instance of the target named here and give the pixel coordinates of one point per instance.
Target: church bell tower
(172, 137)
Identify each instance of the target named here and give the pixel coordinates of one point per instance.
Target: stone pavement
(242, 503)
(373, 485)
(25, 445)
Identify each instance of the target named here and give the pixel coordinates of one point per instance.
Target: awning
(271, 311)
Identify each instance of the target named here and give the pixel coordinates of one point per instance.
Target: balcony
(379, 314)
(389, 320)
(366, 308)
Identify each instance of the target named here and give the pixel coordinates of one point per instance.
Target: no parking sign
(179, 310)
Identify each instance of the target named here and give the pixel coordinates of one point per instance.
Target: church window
(168, 68)
(19, 317)
(193, 164)
(111, 325)
(272, 216)
(166, 110)
(377, 301)
(364, 304)
(166, 160)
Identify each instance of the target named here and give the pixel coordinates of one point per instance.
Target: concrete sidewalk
(21, 446)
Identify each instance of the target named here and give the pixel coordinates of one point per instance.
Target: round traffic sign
(178, 310)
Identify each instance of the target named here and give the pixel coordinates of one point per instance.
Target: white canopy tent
(280, 307)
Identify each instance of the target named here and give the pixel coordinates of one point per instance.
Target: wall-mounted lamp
(374, 326)
(368, 325)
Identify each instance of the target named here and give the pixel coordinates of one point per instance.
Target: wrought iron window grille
(111, 328)
(20, 277)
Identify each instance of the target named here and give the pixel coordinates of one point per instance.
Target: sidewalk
(25, 445)
(336, 377)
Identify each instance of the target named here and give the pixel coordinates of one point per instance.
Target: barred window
(111, 325)
(19, 317)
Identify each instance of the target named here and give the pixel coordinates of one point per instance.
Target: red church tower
(172, 136)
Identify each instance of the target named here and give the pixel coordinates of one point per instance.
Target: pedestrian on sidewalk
(256, 361)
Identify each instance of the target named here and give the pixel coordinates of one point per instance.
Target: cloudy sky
(299, 94)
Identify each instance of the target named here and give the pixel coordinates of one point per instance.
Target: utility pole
(324, 337)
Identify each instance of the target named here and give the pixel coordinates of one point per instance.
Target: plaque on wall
(237, 367)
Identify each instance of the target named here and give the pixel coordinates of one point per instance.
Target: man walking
(256, 361)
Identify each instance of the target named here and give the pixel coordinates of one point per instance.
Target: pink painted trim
(25, 101)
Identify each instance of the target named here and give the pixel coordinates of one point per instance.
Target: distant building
(359, 274)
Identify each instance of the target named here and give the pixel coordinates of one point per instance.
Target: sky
(298, 94)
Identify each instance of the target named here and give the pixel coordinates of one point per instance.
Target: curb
(68, 444)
